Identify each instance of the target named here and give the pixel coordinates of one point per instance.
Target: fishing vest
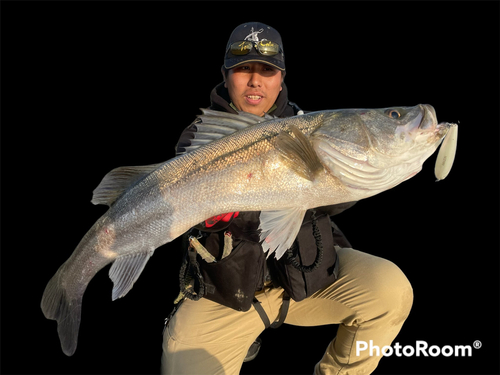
(225, 262)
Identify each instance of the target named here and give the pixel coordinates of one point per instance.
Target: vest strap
(283, 312)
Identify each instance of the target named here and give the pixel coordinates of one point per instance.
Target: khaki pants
(370, 301)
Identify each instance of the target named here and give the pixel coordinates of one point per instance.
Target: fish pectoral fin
(118, 180)
(298, 151)
(279, 229)
(126, 270)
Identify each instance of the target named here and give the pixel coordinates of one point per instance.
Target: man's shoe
(253, 350)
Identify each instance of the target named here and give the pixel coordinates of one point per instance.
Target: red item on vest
(224, 217)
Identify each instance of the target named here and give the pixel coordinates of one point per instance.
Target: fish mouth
(422, 125)
(429, 123)
(429, 118)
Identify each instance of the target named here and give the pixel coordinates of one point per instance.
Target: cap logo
(254, 42)
(253, 36)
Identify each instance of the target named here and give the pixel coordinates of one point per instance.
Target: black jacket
(247, 261)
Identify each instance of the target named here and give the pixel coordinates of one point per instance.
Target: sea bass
(281, 167)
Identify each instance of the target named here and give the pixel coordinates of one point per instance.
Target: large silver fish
(281, 167)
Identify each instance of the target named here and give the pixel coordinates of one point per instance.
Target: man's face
(254, 87)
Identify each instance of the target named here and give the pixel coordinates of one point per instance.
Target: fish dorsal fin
(299, 152)
(279, 229)
(213, 125)
(118, 180)
(126, 270)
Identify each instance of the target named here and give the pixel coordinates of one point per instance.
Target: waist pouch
(308, 266)
(311, 263)
(231, 281)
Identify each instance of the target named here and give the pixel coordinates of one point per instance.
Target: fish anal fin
(125, 270)
(118, 180)
(279, 229)
(298, 151)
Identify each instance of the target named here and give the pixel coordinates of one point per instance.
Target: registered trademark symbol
(477, 344)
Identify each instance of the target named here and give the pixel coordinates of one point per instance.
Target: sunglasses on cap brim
(264, 47)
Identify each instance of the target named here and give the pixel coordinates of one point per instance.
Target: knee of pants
(392, 290)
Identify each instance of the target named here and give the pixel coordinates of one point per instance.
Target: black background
(90, 86)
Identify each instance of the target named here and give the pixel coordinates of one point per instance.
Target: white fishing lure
(446, 155)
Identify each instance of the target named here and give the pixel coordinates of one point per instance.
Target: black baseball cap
(261, 36)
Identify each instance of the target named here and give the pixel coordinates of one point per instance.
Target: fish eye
(392, 113)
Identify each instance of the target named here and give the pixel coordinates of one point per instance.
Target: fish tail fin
(58, 305)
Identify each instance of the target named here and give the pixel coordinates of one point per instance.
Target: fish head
(376, 149)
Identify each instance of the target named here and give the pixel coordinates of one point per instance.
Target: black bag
(231, 281)
(311, 263)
